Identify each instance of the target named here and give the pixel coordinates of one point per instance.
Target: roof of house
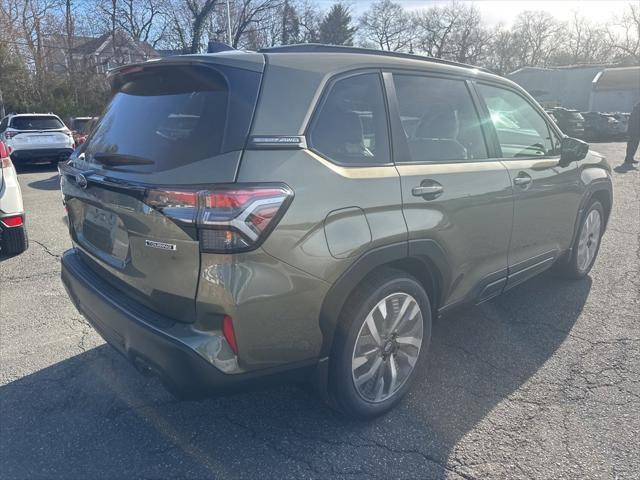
(617, 79)
(85, 45)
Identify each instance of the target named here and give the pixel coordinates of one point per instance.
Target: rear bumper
(40, 154)
(184, 358)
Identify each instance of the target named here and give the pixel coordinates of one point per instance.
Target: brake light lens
(228, 219)
(15, 221)
(5, 159)
(229, 333)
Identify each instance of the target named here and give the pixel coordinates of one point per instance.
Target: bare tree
(200, 11)
(624, 33)
(35, 20)
(435, 27)
(503, 53)
(586, 42)
(143, 20)
(387, 26)
(541, 35)
(251, 13)
(470, 39)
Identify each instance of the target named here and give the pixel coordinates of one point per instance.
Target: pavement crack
(47, 249)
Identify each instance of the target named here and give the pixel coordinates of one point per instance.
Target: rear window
(170, 116)
(36, 123)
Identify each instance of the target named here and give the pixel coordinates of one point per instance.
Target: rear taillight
(5, 160)
(228, 219)
(14, 221)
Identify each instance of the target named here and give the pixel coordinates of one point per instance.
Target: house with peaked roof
(99, 54)
(615, 90)
(600, 88)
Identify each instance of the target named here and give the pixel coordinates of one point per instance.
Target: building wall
(614, 100)
(569, 87)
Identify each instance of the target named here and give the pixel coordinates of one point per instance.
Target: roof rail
(322, 48)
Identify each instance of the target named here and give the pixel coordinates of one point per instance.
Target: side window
(351, 125)
(439, 119)
(522, 131)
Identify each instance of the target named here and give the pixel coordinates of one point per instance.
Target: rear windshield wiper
(117, 159)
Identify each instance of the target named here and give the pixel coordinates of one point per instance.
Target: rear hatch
(172, 129)
(38, 131)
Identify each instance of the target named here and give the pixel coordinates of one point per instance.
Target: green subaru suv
(305, 212)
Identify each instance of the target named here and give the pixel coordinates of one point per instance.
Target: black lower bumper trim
(40, 154)
(178, 366)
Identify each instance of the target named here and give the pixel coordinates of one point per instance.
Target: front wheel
(381, 344)
(587, 243)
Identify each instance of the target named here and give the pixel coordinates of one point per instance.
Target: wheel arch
(604, 196)
(423, 259)
(601, 190)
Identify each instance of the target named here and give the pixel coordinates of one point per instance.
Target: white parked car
(36, 137)
(13, 231)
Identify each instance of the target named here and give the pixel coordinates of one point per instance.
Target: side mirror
(572, 150)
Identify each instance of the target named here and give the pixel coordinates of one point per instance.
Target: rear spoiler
(251, 61)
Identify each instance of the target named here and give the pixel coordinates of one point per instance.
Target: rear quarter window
(350, 127)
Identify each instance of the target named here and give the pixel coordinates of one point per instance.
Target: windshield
(175, 115)
(36, 123)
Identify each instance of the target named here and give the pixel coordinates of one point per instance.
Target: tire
(391, 361)
(13, 241)
(577, 266)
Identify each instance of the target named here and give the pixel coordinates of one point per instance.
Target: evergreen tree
(290, 24)
(335, 28)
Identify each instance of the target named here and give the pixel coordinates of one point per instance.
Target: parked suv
(306, 211)
(36, 137)
(570, 121)
(603, 126)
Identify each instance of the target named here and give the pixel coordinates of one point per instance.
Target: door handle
(522, 180)
(423, 190)
(428, 190)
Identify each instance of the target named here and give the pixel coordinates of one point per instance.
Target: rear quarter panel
(320, 188)
(10, 194)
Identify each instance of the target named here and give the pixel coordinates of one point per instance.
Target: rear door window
(166, 117)
(36, 123)
(439, 119)
(351, 126)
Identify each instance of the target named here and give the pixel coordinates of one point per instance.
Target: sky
(505, 11)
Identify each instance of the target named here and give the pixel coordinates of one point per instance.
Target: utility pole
(229, 24)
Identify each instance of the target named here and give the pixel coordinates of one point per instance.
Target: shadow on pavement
(51, 183)
(93, 416)
(36, 167)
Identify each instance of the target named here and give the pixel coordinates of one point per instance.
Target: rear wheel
(381, 344)
(13, 241)
(587, 243)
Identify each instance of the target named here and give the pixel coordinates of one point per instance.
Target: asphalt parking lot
(543, 382)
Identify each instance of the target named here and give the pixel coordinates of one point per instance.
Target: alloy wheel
(387, 347)
(589, 239)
